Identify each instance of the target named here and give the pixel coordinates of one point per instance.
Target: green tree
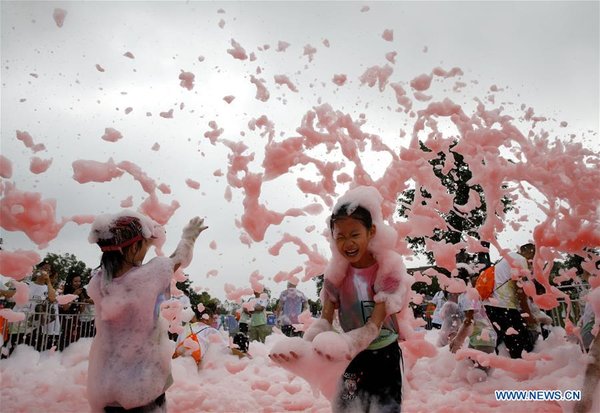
(63, 264)
(456, 181)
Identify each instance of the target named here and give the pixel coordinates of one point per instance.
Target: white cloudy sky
(542, 54)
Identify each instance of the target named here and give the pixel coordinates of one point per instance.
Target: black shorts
(158, 402)
(372, 382)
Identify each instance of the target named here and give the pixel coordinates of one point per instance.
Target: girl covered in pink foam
(130, 356)
(366, 282)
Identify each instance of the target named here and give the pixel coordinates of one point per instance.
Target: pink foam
(167, 115)
(156, 146)
(164, 188)
(377, 74)
(128, 110)
(282, 46)
(187, 80)
(59, 16)
(192, 184)
(158, 211)
(213, 134)
(391, 57)
(17, 264)
(129, 55)
(28, 141)
(221, 23)
(421, 82)
(5, 167)
(310, 52)
(111, 135)
(27, 212)
(388, 35)
(284, 80)
(262, 93)
(229, 98)
(238, 51)
(99, 68)
(339, 79)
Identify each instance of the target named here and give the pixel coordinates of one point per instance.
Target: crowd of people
(363, 291)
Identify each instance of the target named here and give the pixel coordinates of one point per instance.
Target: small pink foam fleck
(111, 135)
(201, 58)
(164, 188)
(252, 59)
(218, 172)
(282, 46)
(310, 52)
(229, 98)
(238, 51)
(563, 124)
(213, 134)
(212, 273)
(339, 79)
(365, 9)
(391, 57)
(262, 93)
(425, 49)
(388, 35)
(99, 68)
(325, 42)
(167, 115)
(192, 184)
(127, 202)
(156, 146)
(187, 80)
(5, 167)
(213, 245)
(284, 80)
(129, 55)
(377, 74)
(421, 82)
(221, 11)
(221, 23)
(38, 166)
(59, 16)
(28, 141)
(34, 75)
(128, 110)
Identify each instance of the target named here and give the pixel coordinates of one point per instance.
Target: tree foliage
(459, 221)
(66, 263)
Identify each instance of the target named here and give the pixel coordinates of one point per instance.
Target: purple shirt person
(291, 304)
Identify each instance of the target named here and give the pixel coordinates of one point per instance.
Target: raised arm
(182, 256)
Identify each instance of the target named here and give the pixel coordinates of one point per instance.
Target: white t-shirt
(483, 333)
(438, 300)
(505, 289)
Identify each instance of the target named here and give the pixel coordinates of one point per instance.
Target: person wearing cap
(130, 357)
(291, 304)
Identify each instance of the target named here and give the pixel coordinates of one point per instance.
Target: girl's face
(352, 240)
(76, 283)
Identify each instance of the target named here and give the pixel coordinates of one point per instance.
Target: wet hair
(126, 233)
(210, 309)
(527, 249)
(112, 261)
(345, 211)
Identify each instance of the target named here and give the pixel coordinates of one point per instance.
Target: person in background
(130, 358)
(476, 326)
(507, 304)
(452, 317)
(439, 299)
(201, 334)
(71, 323)
(259, 330)
(41, 295)
(292, 303)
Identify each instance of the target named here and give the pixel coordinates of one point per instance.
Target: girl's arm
(379, 314)
(457, 342)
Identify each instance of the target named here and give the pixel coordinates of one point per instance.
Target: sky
(66, 85)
